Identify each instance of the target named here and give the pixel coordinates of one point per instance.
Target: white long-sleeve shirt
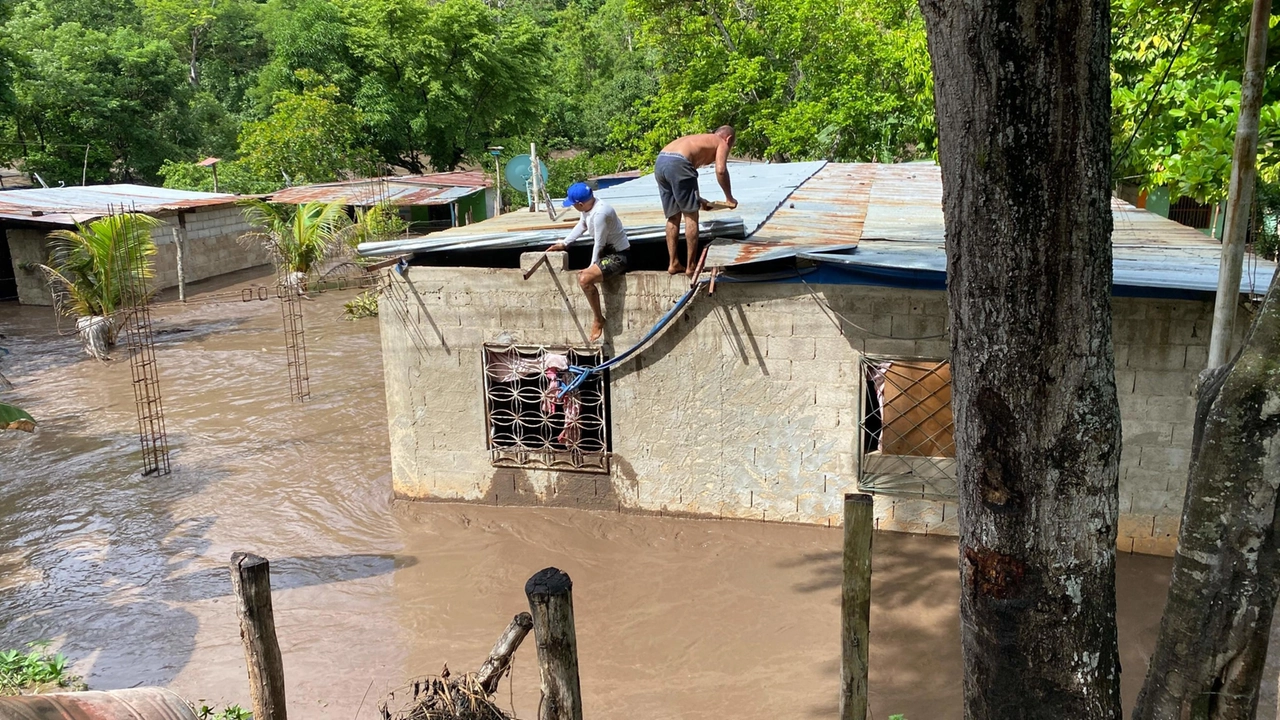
(602, 224)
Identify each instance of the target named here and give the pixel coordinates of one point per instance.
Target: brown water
(675, 618)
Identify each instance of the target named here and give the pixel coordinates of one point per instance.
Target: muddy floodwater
(675, 618)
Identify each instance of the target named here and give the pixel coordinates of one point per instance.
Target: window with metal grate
(907, 444)
(530, 423)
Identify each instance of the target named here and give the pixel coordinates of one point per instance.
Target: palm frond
(98, 262)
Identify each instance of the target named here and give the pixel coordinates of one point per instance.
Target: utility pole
(1244, 175)
(496, 152)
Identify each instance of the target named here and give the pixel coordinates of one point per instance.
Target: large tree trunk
(1023, 100)
(1226, 574)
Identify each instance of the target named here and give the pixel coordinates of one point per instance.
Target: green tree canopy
(1176, 92)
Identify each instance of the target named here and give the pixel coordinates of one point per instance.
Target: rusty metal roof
(457, 178)
(882, 220)
(366, 193)
(69, 205)
(826, 212)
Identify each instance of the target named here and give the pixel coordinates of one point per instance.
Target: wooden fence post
(855, 606)
(550, 593)
(182, 270)
(251, 582)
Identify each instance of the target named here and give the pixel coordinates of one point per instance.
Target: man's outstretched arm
(722, 172)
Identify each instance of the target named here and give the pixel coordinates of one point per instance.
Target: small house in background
(426, 202)
(817, 363)
(209, 225)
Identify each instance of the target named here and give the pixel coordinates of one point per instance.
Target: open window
(531, 422)
(907, 444)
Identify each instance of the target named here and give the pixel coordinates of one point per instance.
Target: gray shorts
(677, 184)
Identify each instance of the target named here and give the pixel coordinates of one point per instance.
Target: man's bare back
(699, 149)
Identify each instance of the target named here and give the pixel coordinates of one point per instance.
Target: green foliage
(230, 712)
(234, 176)
(309, 137)
(299, 237)
(897, 717)
(116, 90)
(96, 262)
(15, 418)
(376, 224)
(799, 80)
(440, 79)
(35, 669)
(361, 306)
(1184, 140)
(564, 172)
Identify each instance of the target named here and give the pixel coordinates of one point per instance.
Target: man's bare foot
(689, 273)
(675, 269)
(597, 329)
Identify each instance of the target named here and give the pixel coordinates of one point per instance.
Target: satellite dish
(519, 170)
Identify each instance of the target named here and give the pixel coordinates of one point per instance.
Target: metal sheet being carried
(825, 213)
(759, 189)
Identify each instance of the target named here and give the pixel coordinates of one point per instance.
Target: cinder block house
(815, 364)
(209, 226)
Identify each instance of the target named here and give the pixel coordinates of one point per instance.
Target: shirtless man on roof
(677, 174)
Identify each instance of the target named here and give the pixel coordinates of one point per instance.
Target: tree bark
(1023, 99)
(1212, 645)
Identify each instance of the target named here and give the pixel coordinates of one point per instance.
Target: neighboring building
(1208, 218)
(209, 224)
(818, 366)
(427, 202)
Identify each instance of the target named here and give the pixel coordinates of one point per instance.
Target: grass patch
(36, 671)
(230, 712)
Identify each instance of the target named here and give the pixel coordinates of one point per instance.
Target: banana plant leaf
(12, 418)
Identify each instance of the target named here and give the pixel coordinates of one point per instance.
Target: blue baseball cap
(578, 193)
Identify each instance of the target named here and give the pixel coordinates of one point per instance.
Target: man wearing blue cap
(609, 252)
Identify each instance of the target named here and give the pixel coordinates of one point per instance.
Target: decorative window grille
(907, 429)
(529, 424)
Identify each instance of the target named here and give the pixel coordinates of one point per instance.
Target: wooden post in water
(550, 593)
(855, 606)
(182, 271)
(251, 582)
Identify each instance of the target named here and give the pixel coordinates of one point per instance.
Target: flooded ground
(675, 618)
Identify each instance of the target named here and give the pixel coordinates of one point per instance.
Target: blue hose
(580, 374)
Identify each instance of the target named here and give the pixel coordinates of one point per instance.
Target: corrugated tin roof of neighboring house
(366, 193)
(68, 205)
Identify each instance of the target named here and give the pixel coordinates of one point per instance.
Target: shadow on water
(915, 640)
(291, 573)
(87, 548)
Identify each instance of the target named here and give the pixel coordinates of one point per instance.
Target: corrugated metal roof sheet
(65, 205)
(366, 193)
(882, 218)
(758, 187)
(825, 212)
(457, 178)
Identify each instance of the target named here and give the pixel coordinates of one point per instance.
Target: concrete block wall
(212, 248)
(746, 406)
